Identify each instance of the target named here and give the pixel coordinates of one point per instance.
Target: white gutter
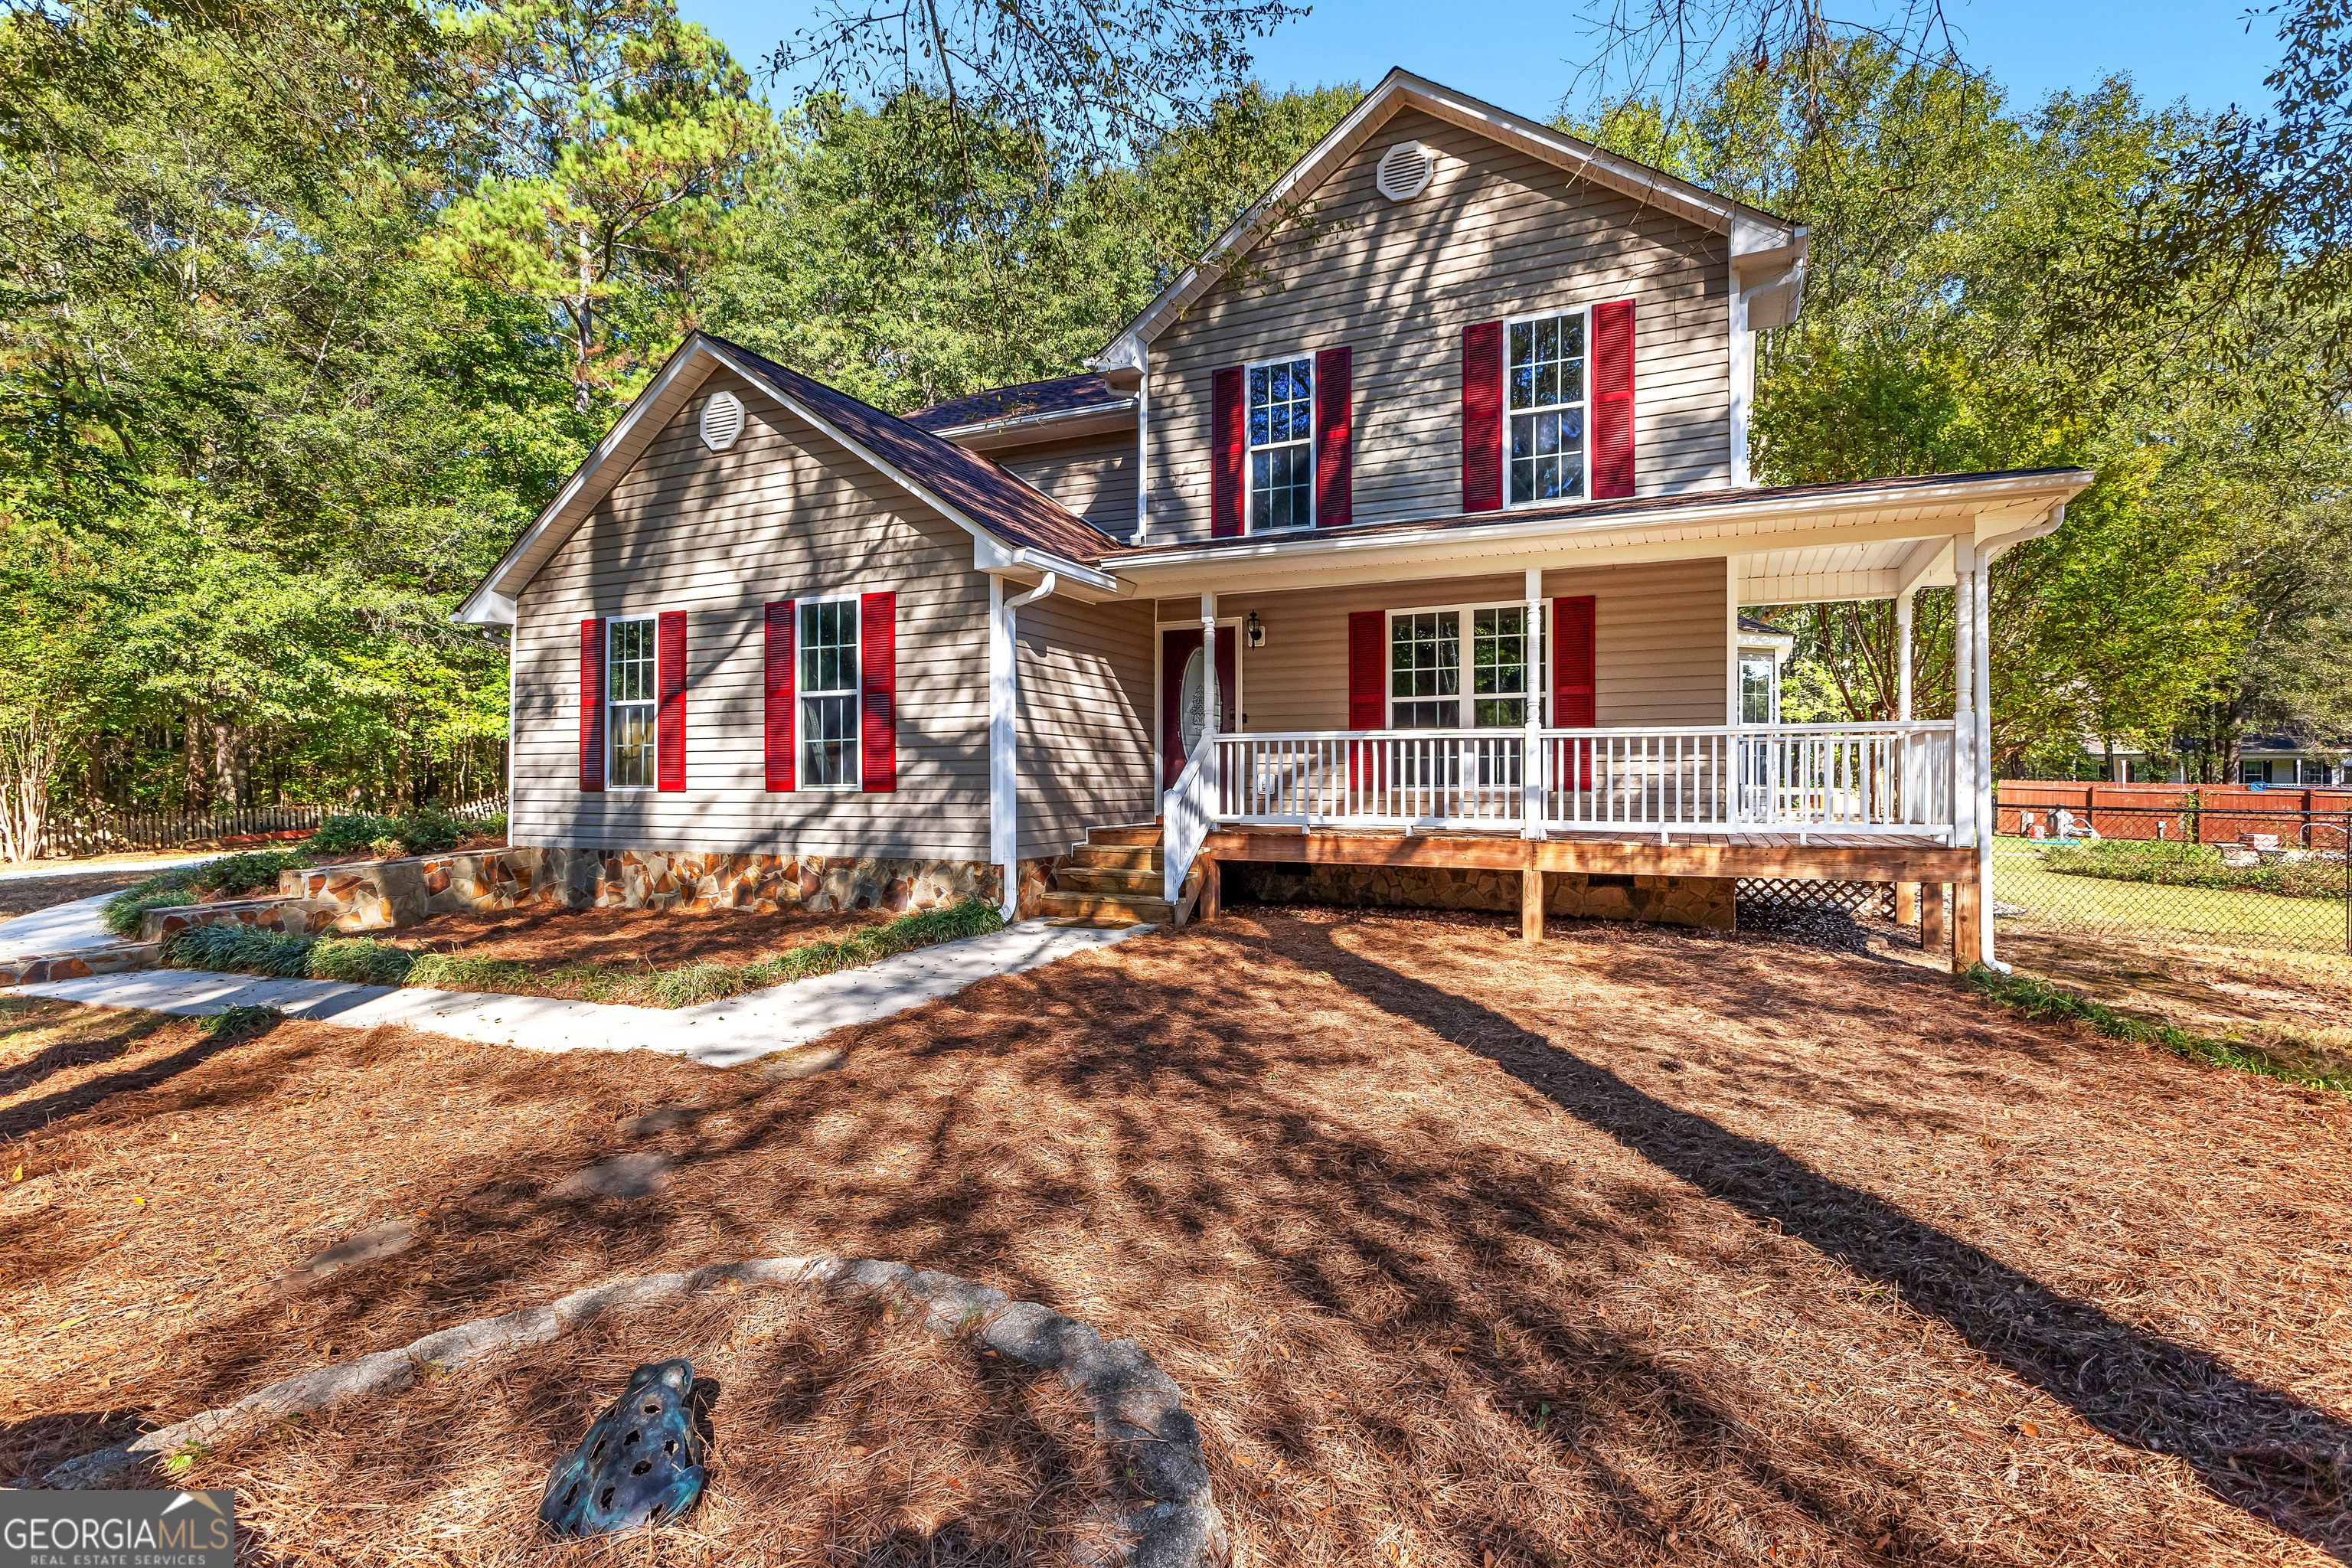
(1003, 736)
(1012, 429)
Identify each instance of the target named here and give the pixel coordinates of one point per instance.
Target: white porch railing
(1188, 811)
(1848, 778)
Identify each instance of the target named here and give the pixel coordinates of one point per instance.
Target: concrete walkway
(33, 870)
(61, 928)
(717, 1034)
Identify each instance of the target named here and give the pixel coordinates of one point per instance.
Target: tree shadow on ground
(2284, 1461)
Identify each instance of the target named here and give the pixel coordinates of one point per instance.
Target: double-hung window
(1544, 382)
(828, 693)
(630, 693)
(1281, 423)
(1426, 688)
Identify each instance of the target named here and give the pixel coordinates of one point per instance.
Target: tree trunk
(191, 762)
(226, 767)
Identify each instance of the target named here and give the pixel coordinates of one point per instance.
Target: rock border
(1138, 1410)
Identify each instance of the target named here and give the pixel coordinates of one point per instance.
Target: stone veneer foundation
(1706, 903)
(383, 895)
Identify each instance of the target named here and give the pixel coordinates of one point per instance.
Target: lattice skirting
(1846, 898)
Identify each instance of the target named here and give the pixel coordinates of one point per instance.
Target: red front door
(1180, 694)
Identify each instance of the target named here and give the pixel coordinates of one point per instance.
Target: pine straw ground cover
(1637, 1247)
(838, 1433)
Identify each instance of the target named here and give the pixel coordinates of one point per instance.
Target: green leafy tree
(618, 141)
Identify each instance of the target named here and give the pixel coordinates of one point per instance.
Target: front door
(1182, 693)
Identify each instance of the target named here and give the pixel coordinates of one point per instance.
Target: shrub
(2176, 864)
(122, 913)
(419, 830)
(348, 833)
(234, 874)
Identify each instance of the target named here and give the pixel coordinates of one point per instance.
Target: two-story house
(1401, 544)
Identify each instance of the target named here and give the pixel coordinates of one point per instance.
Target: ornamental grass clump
(231, 874)
(247, 950)
(690, 984)
(467, 972)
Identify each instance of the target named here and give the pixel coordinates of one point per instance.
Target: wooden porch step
(1143, 833)
(1147, 880)
(1121, 857)
(1108, 908)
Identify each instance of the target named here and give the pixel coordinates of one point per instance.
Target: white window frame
(1250, 523)
(1749, 656)
(1503, 395)
(613, 704)
(1466, 631)
(801, 692)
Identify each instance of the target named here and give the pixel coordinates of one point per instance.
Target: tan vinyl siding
(1658, 641)
(1498, 234)
(1085, 721)
(1093, 476)
(786, 512)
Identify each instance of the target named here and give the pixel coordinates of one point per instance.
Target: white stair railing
(1188, 815)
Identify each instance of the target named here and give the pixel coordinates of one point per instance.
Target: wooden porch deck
(1919, 868)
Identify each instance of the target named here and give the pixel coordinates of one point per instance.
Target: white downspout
(1004, 737)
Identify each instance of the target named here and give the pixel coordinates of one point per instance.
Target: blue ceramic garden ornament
(642, 1459)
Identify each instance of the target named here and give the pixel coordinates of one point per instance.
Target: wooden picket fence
(114, 834)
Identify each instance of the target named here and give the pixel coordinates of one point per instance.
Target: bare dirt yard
(1636, 1248)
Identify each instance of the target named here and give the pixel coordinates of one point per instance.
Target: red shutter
(1482, 416)
(1612, 399)
(1226, 473)
(1368, 671)
(877, 670)
(1333, 461)
(1572, 704)
(783, 623)
(592, 705)
(669, 714)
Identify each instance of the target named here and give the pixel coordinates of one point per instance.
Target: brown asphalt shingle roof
(979, 489)
(1063, 395)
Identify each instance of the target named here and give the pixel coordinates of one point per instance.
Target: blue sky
(2173, 49)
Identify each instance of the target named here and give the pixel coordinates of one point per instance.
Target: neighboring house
(1419, 506)
(2277, 759)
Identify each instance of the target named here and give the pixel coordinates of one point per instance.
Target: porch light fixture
(1253, 631)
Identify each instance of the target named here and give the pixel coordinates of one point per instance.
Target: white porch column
(1531, 761)
(1964, 719)
(1209, 666)
(1980, 650)
(1004, 737)
(1903, 657)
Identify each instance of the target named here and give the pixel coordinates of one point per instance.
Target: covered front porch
(1399, 702)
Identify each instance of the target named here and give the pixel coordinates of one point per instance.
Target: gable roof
(968, 489)
(1752, 230)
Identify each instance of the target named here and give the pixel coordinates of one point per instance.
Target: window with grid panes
(1499, 666)
(1425, 670)
(1281, 445)
(630, 693)
(828, 693)
(1544, 387)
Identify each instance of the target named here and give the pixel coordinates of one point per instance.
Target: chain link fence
(2235, 874)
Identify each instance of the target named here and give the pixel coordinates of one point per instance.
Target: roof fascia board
(988, 435)
(1751, 228)
(1723, 521)
(494, 586)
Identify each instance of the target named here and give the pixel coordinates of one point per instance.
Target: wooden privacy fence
(2204, 814)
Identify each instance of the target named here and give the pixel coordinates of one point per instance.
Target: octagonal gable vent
(722, 420)
(1404, 171)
